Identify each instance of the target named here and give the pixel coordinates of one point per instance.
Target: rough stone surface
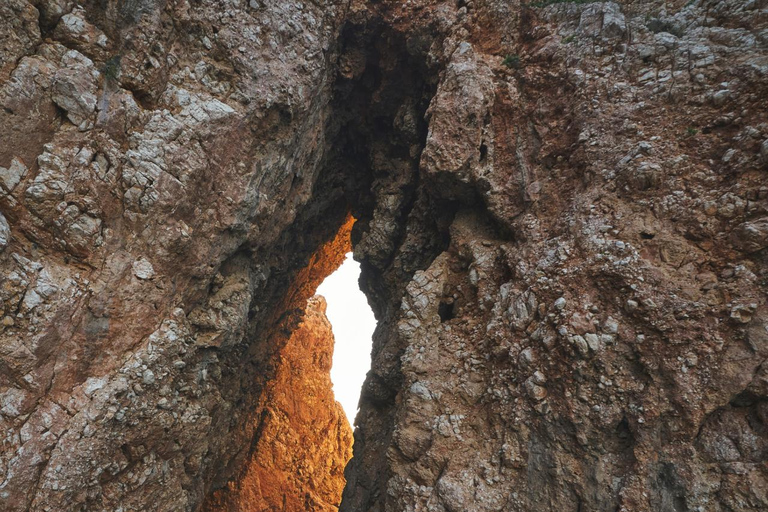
(305, 440)
(561, 219)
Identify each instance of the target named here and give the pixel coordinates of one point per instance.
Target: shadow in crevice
(375, 133)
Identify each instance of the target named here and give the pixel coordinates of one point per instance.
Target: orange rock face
(304, 440)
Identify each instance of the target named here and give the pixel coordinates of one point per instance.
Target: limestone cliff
(562, 221)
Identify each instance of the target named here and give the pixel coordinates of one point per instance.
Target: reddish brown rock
(303, 439)
(561, 225)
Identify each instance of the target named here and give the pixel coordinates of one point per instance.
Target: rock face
(561, 219)
(304, 438)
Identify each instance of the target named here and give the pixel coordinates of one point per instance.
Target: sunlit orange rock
(304, 440)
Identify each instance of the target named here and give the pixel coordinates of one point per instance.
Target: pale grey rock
(526, 358)
(46, 285)
(11, 401)
(28, 266)
(143, 269)
(32, 299)
(148, 377)
(75, 29)
(94, 384)
(83, 231)
(667, 40)
(611, 326)
(593, 341)
(5, 232)
(743, 313)
(521, 309)
(420, 390)
(11, 176)
(603, 19)
(453, 494)
(75, 88)
(720, 97)
(750, 236)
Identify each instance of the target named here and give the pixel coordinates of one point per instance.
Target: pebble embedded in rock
(143, 269)
(593, 341)
(526, 357)
(581, 345)
(148, 377)
(535, 391)
(742, 313)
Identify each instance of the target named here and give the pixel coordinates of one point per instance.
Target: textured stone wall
(156, 161)
(561, 220)
(593, 334)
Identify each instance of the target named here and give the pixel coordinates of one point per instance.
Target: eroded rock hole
(445, 310)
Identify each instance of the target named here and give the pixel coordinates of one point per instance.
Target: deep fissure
(371, 171)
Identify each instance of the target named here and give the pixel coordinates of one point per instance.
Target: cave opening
(353, 323)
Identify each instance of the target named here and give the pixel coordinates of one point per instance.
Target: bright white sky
(353, 324)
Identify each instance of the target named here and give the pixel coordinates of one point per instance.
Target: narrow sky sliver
(353, 324)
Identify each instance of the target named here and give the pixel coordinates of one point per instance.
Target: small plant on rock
(111, 68)
(512, 61)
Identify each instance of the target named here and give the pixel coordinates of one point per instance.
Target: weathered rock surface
(304, 438)
(561, 218)
(134, 282)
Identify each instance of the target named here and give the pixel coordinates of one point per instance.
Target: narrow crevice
(377, 131)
